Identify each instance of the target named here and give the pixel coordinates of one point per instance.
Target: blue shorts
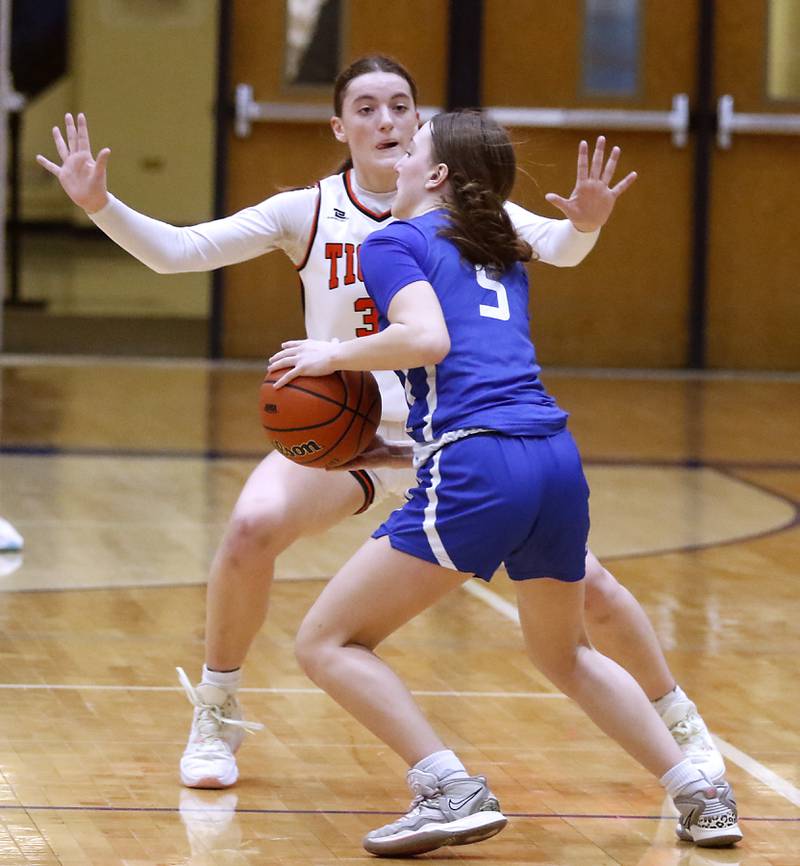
(490, 499)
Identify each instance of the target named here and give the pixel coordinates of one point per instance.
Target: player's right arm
(281, 222)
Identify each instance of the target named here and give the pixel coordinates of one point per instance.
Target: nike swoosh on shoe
(461, 803)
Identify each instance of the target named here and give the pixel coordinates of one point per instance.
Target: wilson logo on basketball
(310, 447)
(321, 420)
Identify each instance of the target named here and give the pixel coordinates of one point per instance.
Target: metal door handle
(729, 121)
(676, 121)
(248, 111)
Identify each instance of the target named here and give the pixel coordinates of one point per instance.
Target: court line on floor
(750, 765)
(19, 359)
(20, 807)
(425, 693)
(758, 771)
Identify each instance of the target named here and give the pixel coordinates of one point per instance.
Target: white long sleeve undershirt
(284, 222)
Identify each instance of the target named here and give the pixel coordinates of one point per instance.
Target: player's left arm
(566, 242)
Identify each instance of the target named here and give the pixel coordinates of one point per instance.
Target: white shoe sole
(703, 838)
(224, 780)
(464, 831)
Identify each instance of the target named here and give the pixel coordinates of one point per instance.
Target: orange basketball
(321, 420)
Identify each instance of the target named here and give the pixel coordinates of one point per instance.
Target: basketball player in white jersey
(320, 229)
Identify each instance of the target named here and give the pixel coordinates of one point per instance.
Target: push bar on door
(675, 121)
(729, 121)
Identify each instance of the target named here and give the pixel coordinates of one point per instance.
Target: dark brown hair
(480, 158)
(362, 66)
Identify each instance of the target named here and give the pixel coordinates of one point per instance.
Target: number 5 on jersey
(501, 311)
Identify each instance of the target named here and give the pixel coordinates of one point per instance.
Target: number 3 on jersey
(369, 316)
(501, 311)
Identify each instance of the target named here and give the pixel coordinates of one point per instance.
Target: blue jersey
(489, 379)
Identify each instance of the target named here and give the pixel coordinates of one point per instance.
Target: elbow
(436, 347)
(162, 266)
(570, 262)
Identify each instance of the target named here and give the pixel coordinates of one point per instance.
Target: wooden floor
(120, 477)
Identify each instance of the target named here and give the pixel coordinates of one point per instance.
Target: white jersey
(335, 300)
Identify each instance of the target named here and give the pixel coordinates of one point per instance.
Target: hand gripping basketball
(321, 421)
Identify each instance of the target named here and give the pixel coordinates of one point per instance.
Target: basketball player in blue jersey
(499, 480)
(320, 229)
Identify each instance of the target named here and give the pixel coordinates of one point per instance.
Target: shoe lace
(210, 717)
(689, 732)
(424, 793)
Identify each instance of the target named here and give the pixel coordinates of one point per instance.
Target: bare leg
(620, 629)
(376, 592)
(279, 503)
(551, 614)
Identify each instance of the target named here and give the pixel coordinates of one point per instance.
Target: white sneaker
(692, 735)
(10, 540)
(217, 732)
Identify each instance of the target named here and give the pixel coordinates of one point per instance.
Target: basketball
(321, 421)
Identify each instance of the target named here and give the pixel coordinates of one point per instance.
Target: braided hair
(482, 167)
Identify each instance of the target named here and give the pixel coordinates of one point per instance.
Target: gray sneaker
(708, 815)
(692, 735)
(455, 812)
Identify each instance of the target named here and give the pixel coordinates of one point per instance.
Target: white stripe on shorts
(429, 522)
(427, 429)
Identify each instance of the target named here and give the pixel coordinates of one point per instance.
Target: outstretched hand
(591, 202)
(82, 177)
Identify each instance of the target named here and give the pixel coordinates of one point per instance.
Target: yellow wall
(783, 58)
(144, 72)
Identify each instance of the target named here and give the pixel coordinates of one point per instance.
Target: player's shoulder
(289, 200)
(400, 234)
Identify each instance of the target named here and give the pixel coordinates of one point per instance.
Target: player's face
(378, 120)
(415, 170)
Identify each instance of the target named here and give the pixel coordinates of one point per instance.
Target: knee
(563, 670)
(255, 531)
(313, 650)
(603, 592)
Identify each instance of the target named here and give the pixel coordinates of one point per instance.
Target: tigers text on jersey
(335, 300)
(489, 379)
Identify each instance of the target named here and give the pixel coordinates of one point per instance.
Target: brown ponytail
(482, 168)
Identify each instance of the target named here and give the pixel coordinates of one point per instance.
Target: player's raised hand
(82, 177)
(591, 202)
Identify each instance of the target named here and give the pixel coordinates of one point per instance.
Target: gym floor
(121, 474)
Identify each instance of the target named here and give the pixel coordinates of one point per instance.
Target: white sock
(443, 764)
(228, 680)
(680, 776)
(663, 703)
